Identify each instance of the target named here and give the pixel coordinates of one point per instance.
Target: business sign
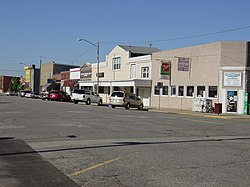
(160, 84)
(183, 64)
(165, 70)
(232, 78)
(246, 109)
(74, 73)
(27, 73)
(101, 75)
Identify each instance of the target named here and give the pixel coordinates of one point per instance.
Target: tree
(14, 84)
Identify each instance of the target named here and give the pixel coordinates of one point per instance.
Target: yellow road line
(93, 167)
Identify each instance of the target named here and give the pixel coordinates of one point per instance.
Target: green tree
(14, 84)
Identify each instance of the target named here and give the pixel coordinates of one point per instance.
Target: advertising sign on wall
(165, 70)
(27, 73)
(232, 78)
(183, 64)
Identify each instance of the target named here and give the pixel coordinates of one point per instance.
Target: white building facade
(127, 68)
(217, 72)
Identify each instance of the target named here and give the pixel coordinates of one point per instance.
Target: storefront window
(157, 90)
(190, 91)
(200, 91)
(101, 89)
(173, 90)
(212, 91)
(180, 90)
(165, 90)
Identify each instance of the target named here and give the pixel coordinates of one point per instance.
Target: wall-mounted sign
(183, 64)
(232, 78)
(165, 70)
(101, 74)
(159, 84)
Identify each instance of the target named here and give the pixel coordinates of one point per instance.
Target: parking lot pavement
(23, 167)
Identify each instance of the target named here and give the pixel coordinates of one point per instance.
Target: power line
(82, 54)
(183, 37)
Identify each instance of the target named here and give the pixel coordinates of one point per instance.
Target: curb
(207, 115)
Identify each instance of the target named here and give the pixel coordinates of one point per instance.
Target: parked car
(29, 94)
(22, 93)
(9, 93)
(44, 95)
(86, 96)
(127, 100)
(56, 95)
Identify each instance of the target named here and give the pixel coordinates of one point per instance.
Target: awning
(50, 86)
(69, 83)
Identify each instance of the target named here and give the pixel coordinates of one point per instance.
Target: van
(127, 100)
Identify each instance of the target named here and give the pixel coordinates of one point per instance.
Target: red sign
(165, 67)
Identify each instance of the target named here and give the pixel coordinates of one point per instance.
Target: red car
(58, 96)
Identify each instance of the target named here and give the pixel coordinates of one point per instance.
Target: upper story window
(116, 63)
(133, 71)
(145, 72)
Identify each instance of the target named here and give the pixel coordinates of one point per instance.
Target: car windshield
(79, 91)
(117, 94)
(54, 92)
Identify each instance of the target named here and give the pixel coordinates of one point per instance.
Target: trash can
(218, 108)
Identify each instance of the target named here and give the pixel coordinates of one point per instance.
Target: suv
(127, 100)
(86, 96)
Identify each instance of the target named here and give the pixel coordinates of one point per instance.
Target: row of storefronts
(181, 78)
(175, 78)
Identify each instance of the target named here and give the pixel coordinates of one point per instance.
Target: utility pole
(40, 76)
(98, 61)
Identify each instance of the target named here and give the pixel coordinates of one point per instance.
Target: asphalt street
(100, 146)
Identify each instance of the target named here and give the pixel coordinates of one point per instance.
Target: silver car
(127, 100)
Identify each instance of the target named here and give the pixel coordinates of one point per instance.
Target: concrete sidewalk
(201, 114)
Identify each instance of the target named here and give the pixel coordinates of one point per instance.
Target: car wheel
(113, 106)
(140, 107)
(75, 101)
(128, 106)
(100, 102)
(88, 102)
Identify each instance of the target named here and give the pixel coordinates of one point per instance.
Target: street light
(98, 54)
(30, 73)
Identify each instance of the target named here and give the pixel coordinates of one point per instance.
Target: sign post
(159, 86)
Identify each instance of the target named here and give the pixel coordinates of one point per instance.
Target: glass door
(232, 99)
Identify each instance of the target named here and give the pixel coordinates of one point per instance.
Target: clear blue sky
(30, 29)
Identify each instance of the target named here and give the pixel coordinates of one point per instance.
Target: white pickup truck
(86, 96)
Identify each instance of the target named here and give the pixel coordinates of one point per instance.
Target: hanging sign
(165, 70)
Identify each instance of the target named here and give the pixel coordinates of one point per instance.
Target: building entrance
(232, 99)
